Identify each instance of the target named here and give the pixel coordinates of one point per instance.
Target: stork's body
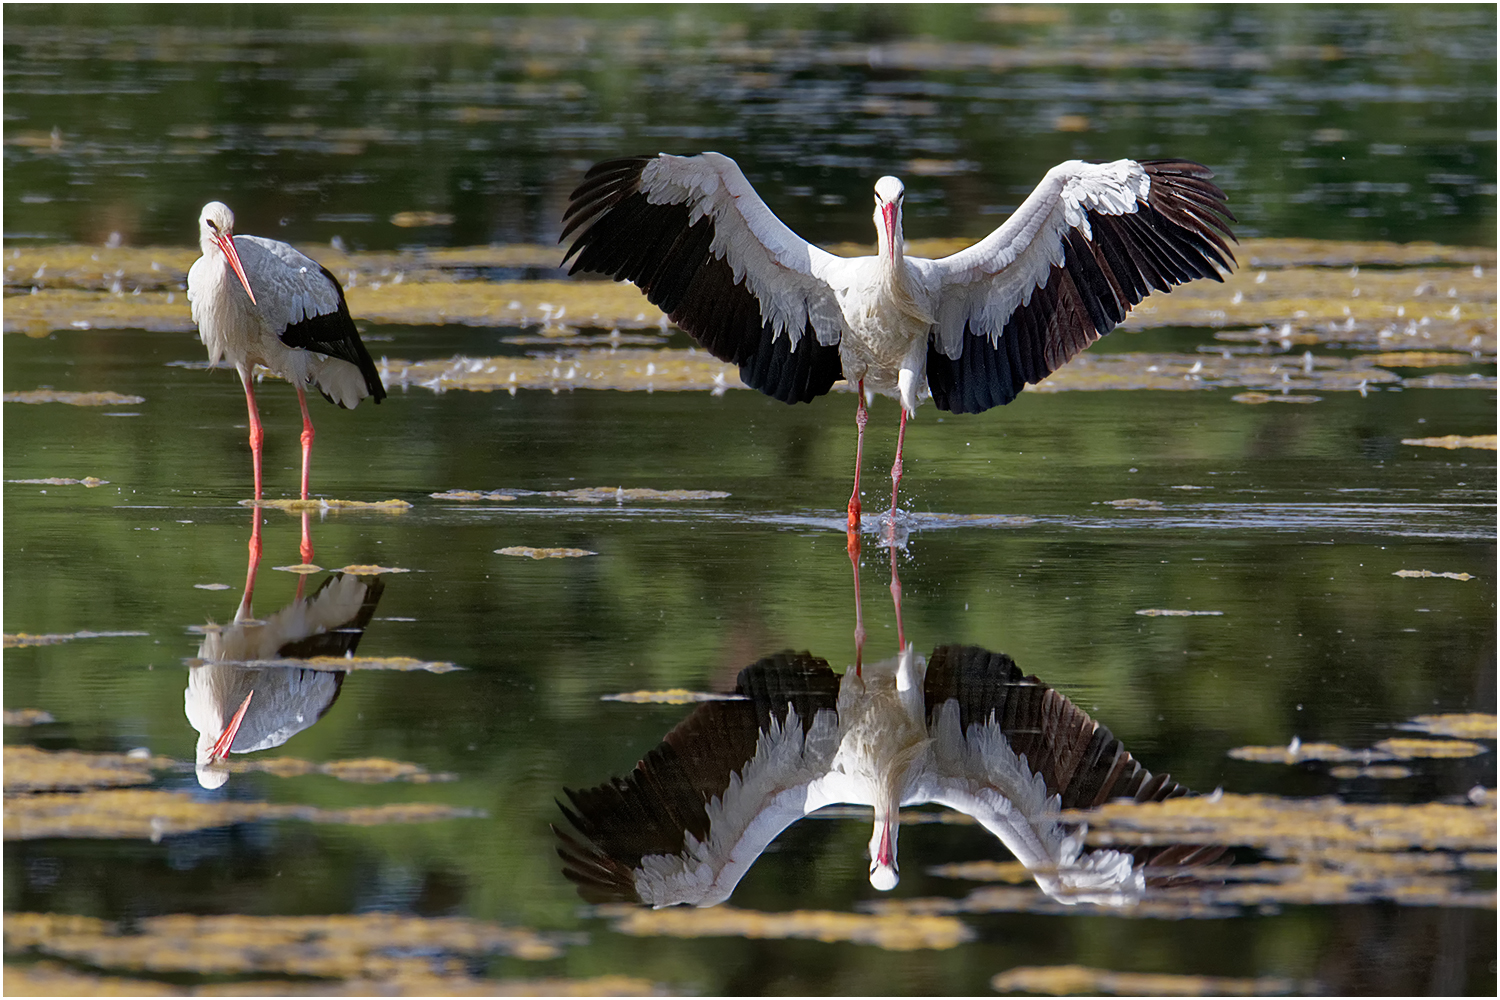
(971, 329)
(261, 302)
(964, 730)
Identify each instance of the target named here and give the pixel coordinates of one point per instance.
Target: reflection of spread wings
(286, 700)
(692, 817)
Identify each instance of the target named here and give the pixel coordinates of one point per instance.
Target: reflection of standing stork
(964, 730)
(291, 320)
(973, 328)
(239, 706)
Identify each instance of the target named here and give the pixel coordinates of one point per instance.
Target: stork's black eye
(213, 225)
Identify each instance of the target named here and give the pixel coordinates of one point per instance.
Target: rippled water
(1290, 523)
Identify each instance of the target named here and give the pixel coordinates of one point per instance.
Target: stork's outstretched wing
(693, 235)
(689, 821)
(1088, 244)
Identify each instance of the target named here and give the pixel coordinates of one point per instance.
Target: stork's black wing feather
(623, 234)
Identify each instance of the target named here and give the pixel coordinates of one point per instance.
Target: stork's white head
(216, 230)
(889, 193)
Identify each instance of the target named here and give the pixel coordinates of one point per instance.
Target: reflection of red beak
(221, 747)
(883, 853)
(226, 243)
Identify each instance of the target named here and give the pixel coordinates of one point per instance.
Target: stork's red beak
(226, 243)
(221, 746)
(888, 216)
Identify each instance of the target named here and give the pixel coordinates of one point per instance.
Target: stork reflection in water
(962, 728)
(241, 703)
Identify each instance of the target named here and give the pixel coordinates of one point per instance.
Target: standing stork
(260, 302)
(972, 329)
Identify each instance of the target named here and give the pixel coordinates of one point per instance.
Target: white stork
(240, 703)
(972, 329)
(260, 302)
(965, 730)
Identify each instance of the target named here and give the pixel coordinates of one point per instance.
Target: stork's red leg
(859, 621)
(245, 611)
(896, 469)
(896, 599)
(861, 418)
(257, 432)
(307, 437)
(307, 440)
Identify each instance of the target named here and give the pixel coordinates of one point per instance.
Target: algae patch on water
(27, 717)
(898, 932)
(368, 947)
(526, 551)
(1452, 441)
(88, 481)
(315, 504)
(1427, 574)
(30, 768)
(101, 398)
(588, 494)
(337, 664)
(670, 696)
(1071, 980)
(14, 639)
(1464, 725)
(139, 814)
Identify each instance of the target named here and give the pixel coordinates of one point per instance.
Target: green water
(1297, 520)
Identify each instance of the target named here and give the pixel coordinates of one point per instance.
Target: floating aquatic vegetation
(211, 586)
(1290, 827)
(1174, 905)
(1420, 359)
(27, 717)
(588, 494)
(531, 553)
(1136, 503)
(73, 398)
(1452, 441)
(1392, 749)
(1407, 749)
(1256, 398)
(1423, 295)
(896, 932)
(985, 871)
(88, 481)
(144, 814)
(30, 769)
(370, 771)
(339, 663)
(305, 569)
(1427, 574)
(1464, 725)
(369, 946)
(1173, 612)
(665, 370)
(13, 639)
(1381, 772)
(54, 979)
(1070, 980)
(671, 696)
(411, 220)
(370, 569)
(315, 504)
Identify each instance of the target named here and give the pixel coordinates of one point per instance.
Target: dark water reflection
(1339, 122)
(1042, 531)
